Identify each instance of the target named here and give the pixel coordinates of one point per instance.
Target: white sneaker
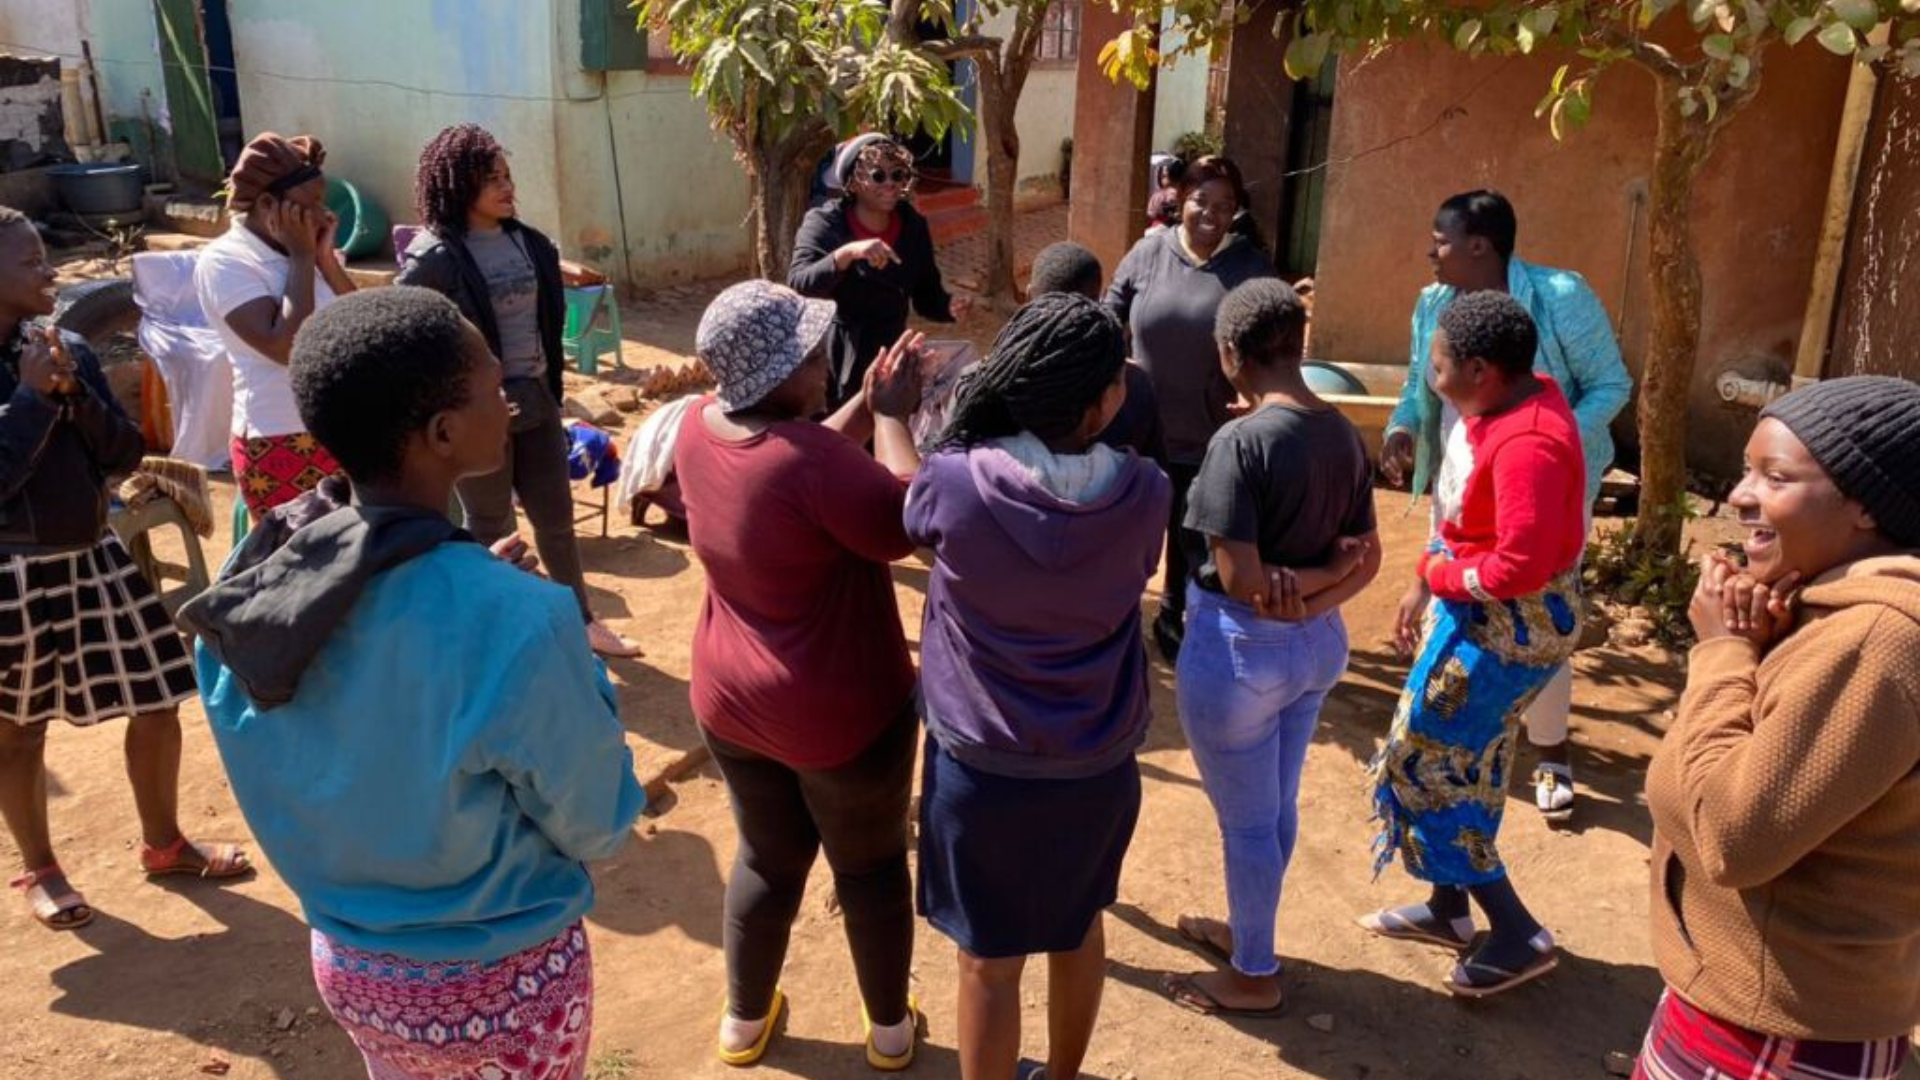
(1553, 791)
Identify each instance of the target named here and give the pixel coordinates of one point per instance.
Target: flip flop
(67, 910)
(1029, 1070)
(1478, 979)
(217, 862)
(1389, 923)
(1188, 927)
(740, 1059)
(1190, 995)
(895, 1062)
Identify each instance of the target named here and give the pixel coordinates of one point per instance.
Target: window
(1060, 33)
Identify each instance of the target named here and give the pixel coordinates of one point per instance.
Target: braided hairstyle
(1049, 365)
(453, 170)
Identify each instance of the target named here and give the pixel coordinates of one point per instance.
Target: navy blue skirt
(1014, 867)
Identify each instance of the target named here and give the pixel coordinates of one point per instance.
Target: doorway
(1309, 132)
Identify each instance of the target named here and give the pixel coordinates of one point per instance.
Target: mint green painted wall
(375, 79)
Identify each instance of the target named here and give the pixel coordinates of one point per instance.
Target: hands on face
(1729, 602)
(295, 228)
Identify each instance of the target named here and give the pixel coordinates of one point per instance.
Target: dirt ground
(175, 982)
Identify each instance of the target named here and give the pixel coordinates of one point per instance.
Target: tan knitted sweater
(1786, 811)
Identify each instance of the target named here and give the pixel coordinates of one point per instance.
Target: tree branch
(1645, 53)
(962, 48)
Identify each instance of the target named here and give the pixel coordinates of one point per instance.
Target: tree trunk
(779, 180)
(1001, 138)
(1681, 147)
(1002, 79)
(1666, 378)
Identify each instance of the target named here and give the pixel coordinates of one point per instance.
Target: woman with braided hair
(505, 278)
(1033, 674)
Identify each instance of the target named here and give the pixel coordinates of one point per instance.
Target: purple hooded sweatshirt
(1031, 661)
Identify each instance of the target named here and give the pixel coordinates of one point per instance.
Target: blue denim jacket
(1577, 349)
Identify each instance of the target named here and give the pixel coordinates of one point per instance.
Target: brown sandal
(216, 862)
(67, 910)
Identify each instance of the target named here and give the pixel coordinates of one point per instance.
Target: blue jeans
(1250, 696)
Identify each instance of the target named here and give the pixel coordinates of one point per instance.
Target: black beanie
(1864, 430)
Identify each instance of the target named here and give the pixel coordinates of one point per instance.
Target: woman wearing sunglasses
(871, 253)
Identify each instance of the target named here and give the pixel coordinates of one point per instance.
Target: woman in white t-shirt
(274, 267)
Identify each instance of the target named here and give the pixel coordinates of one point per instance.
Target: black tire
(104, 313)
(98, 310)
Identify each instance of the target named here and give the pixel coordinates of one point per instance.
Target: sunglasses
(881, 176)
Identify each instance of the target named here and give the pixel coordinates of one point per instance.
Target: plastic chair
(593, 327)
(132, 524)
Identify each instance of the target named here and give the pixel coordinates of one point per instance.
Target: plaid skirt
(273, 469)
(84, 638)
(526, 1017)
(1684, 1043)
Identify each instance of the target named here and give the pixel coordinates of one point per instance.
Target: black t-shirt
(1290, 481)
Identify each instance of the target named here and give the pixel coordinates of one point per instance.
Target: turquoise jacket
(1577, 349)
(452, 757)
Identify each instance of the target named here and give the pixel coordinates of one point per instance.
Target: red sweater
(799, 653)
(1522, 517)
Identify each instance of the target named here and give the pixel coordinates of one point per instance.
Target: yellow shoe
(881, 1061)
(752, 1054)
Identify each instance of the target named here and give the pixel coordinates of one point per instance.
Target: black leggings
(1173, 589)
(858, 812)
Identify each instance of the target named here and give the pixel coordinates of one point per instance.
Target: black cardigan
(446, 265)
(870, 305)
(56, 454)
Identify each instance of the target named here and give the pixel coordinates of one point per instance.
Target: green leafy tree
(1706, 57)
(784, 79)
(1002, 66)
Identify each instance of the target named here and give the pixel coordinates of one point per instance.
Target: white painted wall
(1180, 94)
(43, 26)
(376, 79)
(1044, 115)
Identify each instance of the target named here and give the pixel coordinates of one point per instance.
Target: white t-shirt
(235, 270)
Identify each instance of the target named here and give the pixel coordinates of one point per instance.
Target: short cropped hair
(1485, 214)
(1265, 321)
(374, 367)
(1065, 267)
(1494, 327)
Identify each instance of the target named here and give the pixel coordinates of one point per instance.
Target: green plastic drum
(363, 225)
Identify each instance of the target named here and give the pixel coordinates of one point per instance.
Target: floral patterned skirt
(525, 1017)
(1440, 783)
